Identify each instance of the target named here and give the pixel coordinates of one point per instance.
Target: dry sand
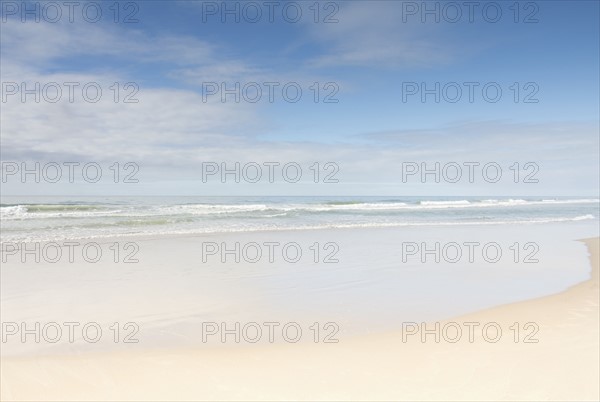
(562, 365)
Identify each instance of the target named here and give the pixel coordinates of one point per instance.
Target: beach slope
(562, 365)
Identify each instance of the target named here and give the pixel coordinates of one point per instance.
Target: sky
(388, 75)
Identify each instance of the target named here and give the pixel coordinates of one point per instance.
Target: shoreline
(563, 365)
(105, 239)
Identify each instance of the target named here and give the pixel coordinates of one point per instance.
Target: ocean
(25, 219)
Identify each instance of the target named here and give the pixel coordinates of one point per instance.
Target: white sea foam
(207, 229)
(83, 211)
(13, 211)
(22, 222)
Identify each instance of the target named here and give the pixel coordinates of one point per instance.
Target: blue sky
(368, 54)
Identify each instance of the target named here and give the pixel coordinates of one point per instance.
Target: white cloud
(41, 44)
(170, 131)
(372, 34)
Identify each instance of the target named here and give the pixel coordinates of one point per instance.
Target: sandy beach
(561, 365)
(299, 201)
